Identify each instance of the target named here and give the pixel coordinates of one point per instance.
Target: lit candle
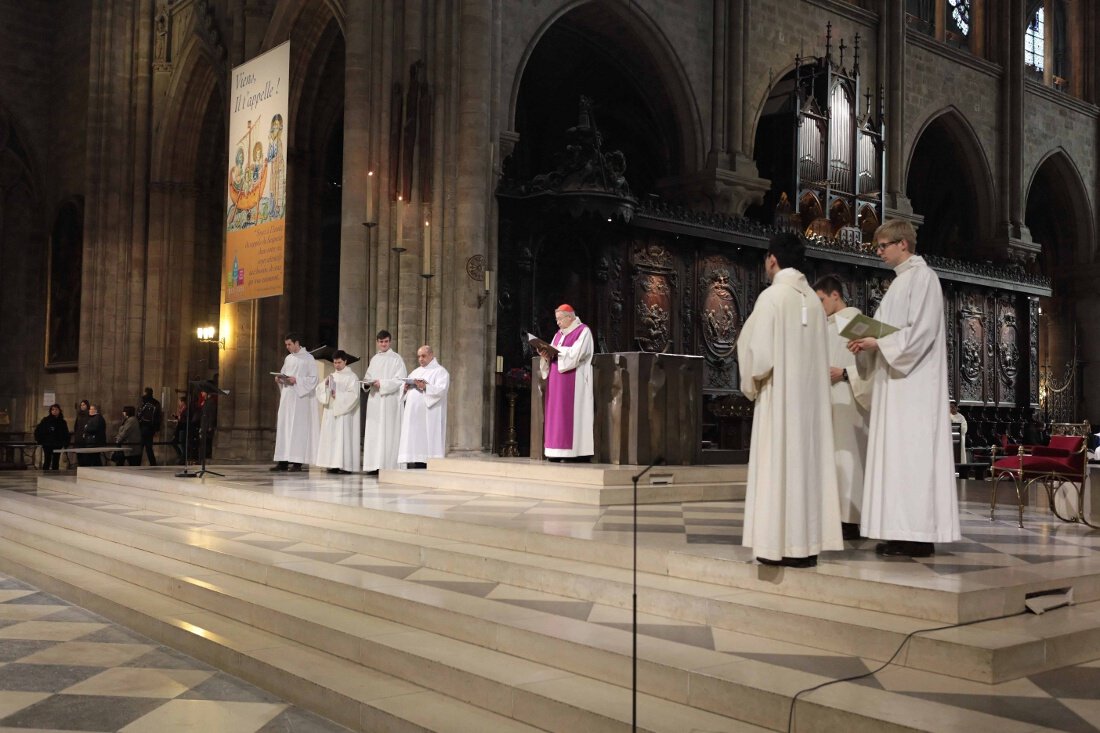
(371, 218)
(426, 263)
(399, 224)
(488, 281)
(500, 364)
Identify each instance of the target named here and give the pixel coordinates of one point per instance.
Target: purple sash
(561, 397)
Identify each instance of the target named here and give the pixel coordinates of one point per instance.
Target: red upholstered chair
(1060, 462)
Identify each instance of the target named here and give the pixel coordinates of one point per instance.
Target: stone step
(830, 583)
(596, 484)
(997, 651)
(536, 694)
(710, 684)
(345, 692)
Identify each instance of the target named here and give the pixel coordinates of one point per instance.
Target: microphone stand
(658, 461)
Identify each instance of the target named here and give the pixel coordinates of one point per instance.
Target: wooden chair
(1060, 462)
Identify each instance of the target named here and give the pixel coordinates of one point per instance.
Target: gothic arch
(645, 54)
(288, 13)
(949, 181)
(1058, 213)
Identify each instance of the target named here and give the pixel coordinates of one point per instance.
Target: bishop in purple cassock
(569, 398)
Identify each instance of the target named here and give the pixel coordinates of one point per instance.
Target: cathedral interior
(629, 158)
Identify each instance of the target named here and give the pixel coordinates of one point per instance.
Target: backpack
(147, 414)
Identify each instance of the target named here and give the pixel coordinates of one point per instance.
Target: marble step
(348, 693)
(537, 694)
(994, 652)
(722, 685)
(598, 484)
(834, 584)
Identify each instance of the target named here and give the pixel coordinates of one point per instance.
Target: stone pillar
(1013, 241)
(729, 182)
(462, 344)
(355, 294)
(112, 338)
(896, 202)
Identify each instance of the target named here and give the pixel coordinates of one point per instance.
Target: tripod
(203, 385)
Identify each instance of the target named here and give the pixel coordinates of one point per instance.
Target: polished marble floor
(1064, 699)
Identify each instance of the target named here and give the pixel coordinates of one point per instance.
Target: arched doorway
(1057, 215)
(950, 186)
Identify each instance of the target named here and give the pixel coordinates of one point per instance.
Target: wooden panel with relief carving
(972, 347)
(1007, 350)
(654, 288)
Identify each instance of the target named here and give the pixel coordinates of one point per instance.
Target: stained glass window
(960, 14)
(1033, 41)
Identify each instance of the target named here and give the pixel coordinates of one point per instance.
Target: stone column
(1013, 241)
(112, 339)
(718, 157)
(462, 344)
(355, 294)
(896, 201)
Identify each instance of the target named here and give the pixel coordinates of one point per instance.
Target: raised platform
(397, 607)
(600, 484)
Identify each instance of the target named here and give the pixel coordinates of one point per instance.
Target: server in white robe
(570, 401)
(850, 396)
(383, 384)
(791, 504)
(424, 416)
(957, 418)
(299, 417)
(338, 447)
(909, 492)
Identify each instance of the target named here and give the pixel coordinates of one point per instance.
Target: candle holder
(511, 445)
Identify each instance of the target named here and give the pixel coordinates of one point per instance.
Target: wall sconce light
(488, 289)
(209, 335)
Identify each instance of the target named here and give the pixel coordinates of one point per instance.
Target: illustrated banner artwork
(255, 222)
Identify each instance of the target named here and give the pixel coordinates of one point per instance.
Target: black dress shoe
(790, 562)
(280, 466)
(333, 470)
(371, 473)
(904, 548)
(850, 531)
(295, 467)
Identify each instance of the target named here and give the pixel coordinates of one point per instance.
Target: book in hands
(279, 377)
(863, 326)
(538, 345)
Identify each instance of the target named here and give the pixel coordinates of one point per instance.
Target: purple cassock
(568, 431)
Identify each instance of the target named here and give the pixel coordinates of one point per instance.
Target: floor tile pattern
(65, 668)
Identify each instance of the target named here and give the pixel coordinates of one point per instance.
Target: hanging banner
(255, 223)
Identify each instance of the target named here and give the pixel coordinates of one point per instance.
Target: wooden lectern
(647, 406)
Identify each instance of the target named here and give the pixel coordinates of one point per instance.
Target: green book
(863, 326)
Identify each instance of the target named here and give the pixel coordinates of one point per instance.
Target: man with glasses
(792, 510)
(909, 493)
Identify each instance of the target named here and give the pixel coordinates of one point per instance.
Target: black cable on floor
(888, 662)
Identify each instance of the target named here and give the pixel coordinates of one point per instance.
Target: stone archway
(1058, 217)
(950, 186)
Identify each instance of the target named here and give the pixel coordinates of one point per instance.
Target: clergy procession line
(406, 413)
(850, 431)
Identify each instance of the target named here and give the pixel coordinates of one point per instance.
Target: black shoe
(295, 467)
(904, 548)
(416, 464)
(371, 473)
(333, 470)
(850, 531)
(280, 466)
(790, 562)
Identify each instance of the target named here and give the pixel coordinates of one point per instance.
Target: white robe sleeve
(322, 393)
(755, 348)
(347, 393)
(306, 378)
(436, 389)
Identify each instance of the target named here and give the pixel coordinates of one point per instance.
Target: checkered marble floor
(65, 668)
(1065, 699)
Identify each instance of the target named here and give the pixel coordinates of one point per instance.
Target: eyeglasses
(879, 246)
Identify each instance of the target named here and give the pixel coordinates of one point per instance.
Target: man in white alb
(909, 491)
(424, 417)
(338, 447)
(850, 395)
(791, 503)
(384, 387)
(299, 419)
